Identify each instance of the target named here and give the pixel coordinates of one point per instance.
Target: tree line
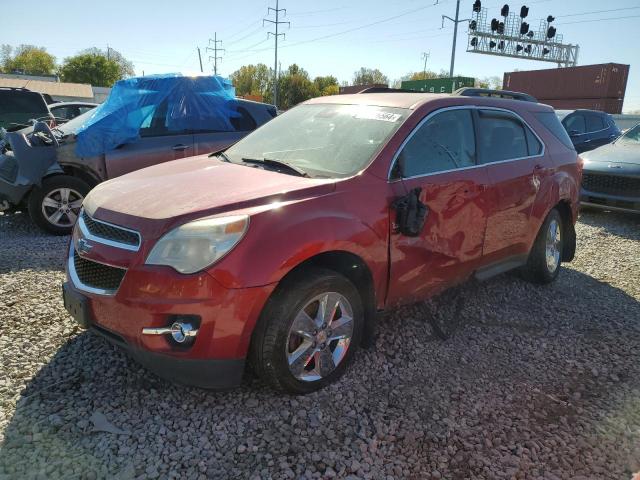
(97, 67)
(103, 68)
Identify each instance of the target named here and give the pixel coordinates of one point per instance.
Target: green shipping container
(438, 85)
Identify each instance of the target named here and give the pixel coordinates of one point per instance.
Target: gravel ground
(538, 382)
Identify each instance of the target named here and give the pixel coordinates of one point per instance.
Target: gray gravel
(538, 382)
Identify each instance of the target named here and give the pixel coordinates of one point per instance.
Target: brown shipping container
(607, 80)
(609, 105)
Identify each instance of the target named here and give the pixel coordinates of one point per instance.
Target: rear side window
(550, 121)
(594, 123)
(575, 123)
(501, 136)
(12, 102)
(245, 122)
(444, 142)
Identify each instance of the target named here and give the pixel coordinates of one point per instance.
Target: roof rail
(487, 92)
(15, 88)
(386, 90)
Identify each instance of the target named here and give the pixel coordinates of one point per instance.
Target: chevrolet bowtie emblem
(83, 246)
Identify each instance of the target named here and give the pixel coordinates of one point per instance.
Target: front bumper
(152, 297)
(609, 202)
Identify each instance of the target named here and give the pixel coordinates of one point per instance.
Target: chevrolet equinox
(281, 250)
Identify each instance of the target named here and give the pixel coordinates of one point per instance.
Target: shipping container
(607, 80)
(359, 88)
(438, 85)
(609, 105)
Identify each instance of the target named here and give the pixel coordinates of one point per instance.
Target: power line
(598, 11)
(275, 34)
(600, 20)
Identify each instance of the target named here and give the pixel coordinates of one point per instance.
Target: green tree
(96, 70)
(126, 67)
(252, 80)
(295, 86)
(493, 82)
(369, 76)
(27, 59)
(324, 82)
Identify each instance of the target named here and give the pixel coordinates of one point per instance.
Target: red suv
(281, 250)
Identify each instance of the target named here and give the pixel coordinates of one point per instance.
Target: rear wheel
(55, 205)
(543, 265)
(308, 332)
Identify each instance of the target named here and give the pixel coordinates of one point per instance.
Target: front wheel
(308, 332)
(543, 265)
(55, 205)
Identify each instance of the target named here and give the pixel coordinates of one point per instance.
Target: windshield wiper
(277, 163)
(224, 156)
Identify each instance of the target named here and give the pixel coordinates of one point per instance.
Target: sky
(332, 37)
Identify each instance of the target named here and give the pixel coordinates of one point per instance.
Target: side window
(85, 109)
(575, 123)
(245, 122)
(535, 147)
(550, 120)
(594, 123)
(501, 136)
(444, 142)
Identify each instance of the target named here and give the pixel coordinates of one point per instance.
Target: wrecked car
(282, 249)
(144, 121)
(20, 107)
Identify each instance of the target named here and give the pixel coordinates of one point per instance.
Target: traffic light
(501, 45)
(519, 48)
(474, 42)
(501, 28)
(531, 34)
(473, 25)
(492, 44)
(476, 6)
(545, 51)
(527, 49)
(505, 10)
(550, 18)
(551, 32)
(494, 24)
(524, 11)
(524, 28)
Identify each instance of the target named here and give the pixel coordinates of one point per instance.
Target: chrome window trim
(105, 241)
(462, 107)
(76, 281)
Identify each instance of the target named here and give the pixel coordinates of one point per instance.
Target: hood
(197, 185)
(613, 153)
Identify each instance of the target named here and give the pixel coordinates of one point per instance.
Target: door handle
(538, 167)
(588, 140)
(180, 147)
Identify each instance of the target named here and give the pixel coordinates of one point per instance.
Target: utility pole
(200, 58)
(215, 50)
(108, 52)
(455, 21)
(426, 56)
(277, 23)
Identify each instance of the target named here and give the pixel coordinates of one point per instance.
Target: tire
(42, 203)
(274, 342)
(538, 269)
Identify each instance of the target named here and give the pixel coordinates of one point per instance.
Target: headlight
(194, 246)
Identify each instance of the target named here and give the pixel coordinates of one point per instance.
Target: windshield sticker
(377, 115)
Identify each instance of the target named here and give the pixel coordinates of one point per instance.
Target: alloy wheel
(319, 337)
(553, 245)
(61, 206)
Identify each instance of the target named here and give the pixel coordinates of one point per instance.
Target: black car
(588, 129)
(611, 175)
(20, 106)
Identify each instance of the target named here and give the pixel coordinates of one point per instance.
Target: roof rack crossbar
(487, 92)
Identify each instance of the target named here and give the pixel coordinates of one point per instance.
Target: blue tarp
(203, 103)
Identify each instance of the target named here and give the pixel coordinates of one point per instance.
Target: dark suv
(283, 248)
(588, 129)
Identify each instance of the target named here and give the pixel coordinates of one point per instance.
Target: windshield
(631, 137)
(18, 108)
(72, 126)
(323, 140)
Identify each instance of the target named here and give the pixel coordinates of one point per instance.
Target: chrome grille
(108, 233)
(97, 276)
(611, 184)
